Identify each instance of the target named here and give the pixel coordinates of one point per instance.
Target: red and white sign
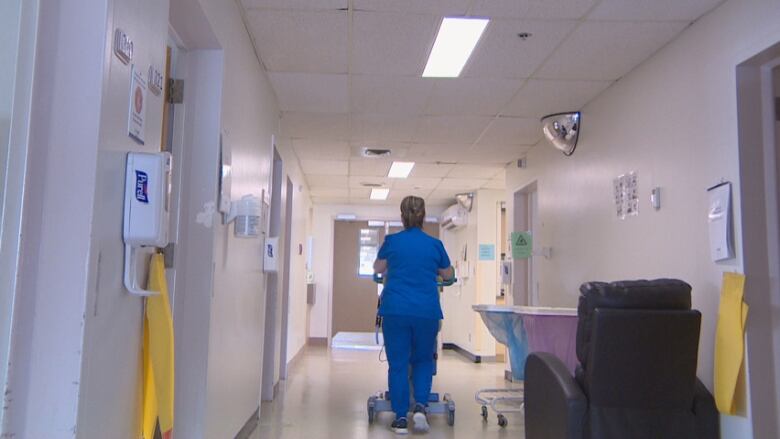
(135, 120)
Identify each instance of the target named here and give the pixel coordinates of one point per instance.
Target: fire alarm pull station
(146, 211)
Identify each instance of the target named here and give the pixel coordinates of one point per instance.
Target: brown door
(355, 295)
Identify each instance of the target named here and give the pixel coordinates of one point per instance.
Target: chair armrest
(555, 406)
(707, 418)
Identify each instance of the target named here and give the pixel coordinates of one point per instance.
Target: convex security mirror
(562, 130)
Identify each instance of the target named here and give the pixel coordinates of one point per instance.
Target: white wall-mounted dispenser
(146, 210)
(247, 213)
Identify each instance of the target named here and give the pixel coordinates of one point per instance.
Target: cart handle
(380, 279)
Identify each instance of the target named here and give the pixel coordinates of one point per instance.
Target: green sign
(521, 245)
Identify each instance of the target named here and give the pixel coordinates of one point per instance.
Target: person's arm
(446, 273)
(445, 266)
(380, 266)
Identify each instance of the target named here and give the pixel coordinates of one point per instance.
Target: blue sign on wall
(487, 252)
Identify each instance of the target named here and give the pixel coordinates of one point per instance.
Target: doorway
(525, 284)
(272, 339)
(288, 258)
(758, 116)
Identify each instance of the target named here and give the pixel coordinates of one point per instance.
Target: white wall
(673, 120)
(77, 336)
(250, 116)
(462, 326)
(46, 356)
(322, 259)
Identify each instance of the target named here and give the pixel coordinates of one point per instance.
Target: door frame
(13, 188)
(758, 171)
(524, 273)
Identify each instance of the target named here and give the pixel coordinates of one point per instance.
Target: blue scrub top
(413, 261)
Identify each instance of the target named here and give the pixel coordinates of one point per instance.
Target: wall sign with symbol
(155, 80)
(135, 120)
(522, 245)
(123, 46)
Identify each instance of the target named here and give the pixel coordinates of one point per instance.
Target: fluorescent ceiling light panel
(400, 169)
(380, 193)
(454, 43)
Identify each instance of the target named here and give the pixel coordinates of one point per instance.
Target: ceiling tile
(436, 7)
(300, 41)
(399, 194)
(450, 129)
(382, 128)
(474, 171)
(607, 50)
(326, 181)
(390, 43)
(490, 154)
(501, 54)
(296, 4)
(310, 149)
(534, 9)
(329, 192)
(359, 193)
(447, 153)
(462, 184)
(416, 183)
(658, 10)
(311, 92)
(315, 125)
(325, 167)
(360, 181)
(512, 131)
(471, 96)
(431, 170)
(540, 97)
(389, 94)
(369, 167)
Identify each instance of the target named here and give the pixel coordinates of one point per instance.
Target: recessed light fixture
(400, 169)
(454, 43)
(380, 193)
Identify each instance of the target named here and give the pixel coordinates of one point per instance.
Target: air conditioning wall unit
(454, 217)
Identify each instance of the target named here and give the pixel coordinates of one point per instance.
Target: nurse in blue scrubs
(411, 261)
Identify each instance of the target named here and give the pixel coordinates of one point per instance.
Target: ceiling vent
(376, 152)
(364, 184)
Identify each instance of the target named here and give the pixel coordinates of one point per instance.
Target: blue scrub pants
(409, 341)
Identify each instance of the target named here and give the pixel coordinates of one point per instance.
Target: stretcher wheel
(502, 421)
(451, 417)
(484, 413)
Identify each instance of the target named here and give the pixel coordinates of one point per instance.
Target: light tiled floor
(325, 398)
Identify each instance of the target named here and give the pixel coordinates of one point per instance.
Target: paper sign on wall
(719, 219)
(487, 252)
(521, 245)
(135, 120)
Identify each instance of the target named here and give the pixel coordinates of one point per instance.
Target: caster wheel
(484, 413)
(502, 421)
(450, 417)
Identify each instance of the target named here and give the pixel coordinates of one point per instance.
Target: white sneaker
(420, 420)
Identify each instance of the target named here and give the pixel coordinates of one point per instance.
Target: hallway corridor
(325, 398)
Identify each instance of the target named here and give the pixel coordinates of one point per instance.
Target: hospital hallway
(208, 207)
(326, 392)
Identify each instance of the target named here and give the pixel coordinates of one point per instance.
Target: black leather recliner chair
(637, 344)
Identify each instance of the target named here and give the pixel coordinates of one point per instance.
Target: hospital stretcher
(525, 329)
(437, 404)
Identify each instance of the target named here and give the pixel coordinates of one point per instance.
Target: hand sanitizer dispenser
(146, 210)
